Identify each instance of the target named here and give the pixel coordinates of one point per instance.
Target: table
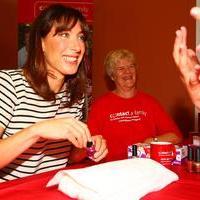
(186, 188)
(33, 187)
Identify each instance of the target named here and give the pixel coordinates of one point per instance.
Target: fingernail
(194, 11)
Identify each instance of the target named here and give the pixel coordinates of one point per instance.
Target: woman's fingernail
(195, 11)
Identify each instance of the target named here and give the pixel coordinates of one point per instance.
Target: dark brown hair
(35, 70)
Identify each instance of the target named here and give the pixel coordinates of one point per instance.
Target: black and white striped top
(20, 107)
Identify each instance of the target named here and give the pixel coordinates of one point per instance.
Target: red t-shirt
(123, 122)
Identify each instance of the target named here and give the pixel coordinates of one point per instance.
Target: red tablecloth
(33, 187)
(186, 188)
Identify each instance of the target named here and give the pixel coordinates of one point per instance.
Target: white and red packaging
(181, 154)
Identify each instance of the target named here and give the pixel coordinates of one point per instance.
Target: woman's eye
(64, 34)
(120, 68)
(82, 37)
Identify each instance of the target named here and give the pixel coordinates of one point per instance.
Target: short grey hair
(113, 58)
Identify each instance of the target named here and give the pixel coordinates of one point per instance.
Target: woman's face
(64, 51)
(124, 74)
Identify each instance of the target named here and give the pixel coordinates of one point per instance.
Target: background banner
(29, 9)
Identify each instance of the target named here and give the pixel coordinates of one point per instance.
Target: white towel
(128, 179)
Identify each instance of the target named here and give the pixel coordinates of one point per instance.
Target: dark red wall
(145, 27)
(8, 33)
(148, 29)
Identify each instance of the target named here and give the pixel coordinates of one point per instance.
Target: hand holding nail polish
(90, 149)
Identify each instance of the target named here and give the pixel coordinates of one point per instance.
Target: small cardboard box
(181, 154)
(143, 151)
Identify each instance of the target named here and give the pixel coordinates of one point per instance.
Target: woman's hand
(71, 129)
(185, 59)
(100, 147)
(188, 65)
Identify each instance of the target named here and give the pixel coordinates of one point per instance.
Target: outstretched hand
(188, 65)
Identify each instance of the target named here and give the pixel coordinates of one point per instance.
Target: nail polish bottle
(190, 159)
(134, 151)
(196, 162)
(90, 149)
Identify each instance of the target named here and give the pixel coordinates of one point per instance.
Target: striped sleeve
(8, 98)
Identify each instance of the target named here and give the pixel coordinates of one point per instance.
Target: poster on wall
(29, 9)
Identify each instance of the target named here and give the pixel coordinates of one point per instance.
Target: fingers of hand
(100, 147)
(194, 79)
(193, 60)
(195, 12)
(79, 130)
(179, 44)
(74, 141)
(184, 58)
(74, 135)
(86, 132)
(101, 156)
(98, 140)
(64, 128)
(183, 36)
(198, 48)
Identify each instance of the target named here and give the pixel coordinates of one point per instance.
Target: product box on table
(181, 154)
(143, 151)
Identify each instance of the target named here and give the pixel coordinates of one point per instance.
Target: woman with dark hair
(41, 104)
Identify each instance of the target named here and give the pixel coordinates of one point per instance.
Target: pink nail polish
(90, 149)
